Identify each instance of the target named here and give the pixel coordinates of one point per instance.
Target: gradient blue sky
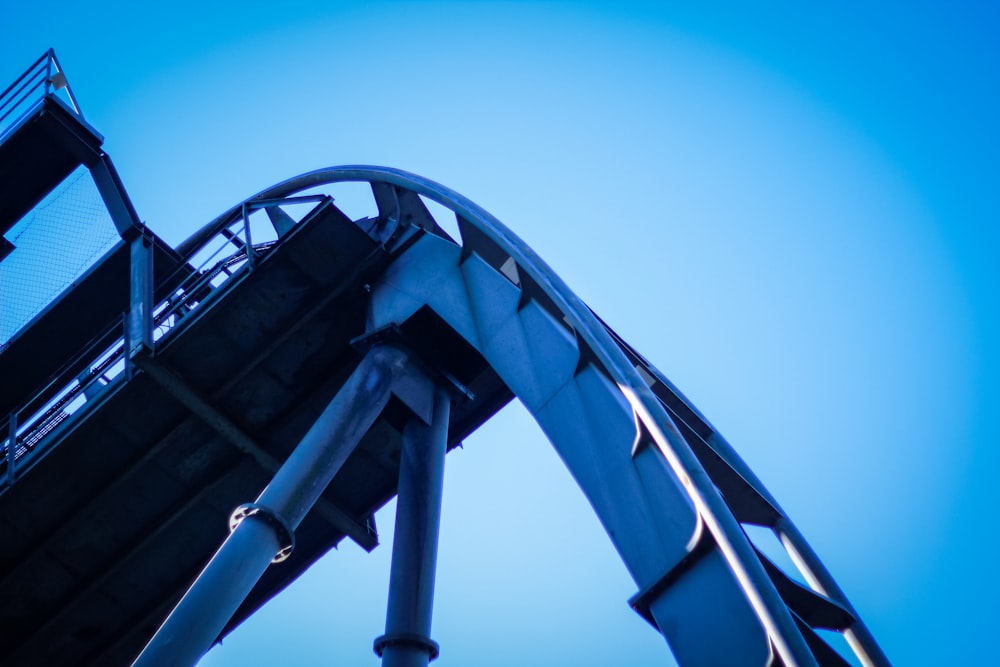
(791, 210)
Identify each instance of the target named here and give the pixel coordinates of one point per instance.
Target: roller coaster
(304, 365)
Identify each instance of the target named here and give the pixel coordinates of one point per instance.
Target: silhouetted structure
(321, 363)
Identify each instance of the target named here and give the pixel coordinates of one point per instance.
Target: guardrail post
(48, 71)
(247, 241)
(11, 447)
(140, 317)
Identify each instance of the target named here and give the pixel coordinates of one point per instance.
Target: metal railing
(226, 255)
(44, 77)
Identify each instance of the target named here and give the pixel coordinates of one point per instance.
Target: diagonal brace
(228, 578)
(232, 433)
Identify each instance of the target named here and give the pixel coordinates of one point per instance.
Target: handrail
(45, 75)
(228, 253)
(655, 418)
(7, 93)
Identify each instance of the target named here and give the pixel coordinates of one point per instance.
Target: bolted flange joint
(286, 537)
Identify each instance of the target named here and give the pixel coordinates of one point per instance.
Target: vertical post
(407, 642)
(262, 532)
(129, 365)
(11, 447)
(140, 319)
(48, 71)
(247, 241)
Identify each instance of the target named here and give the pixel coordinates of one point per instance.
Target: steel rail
(712, 508)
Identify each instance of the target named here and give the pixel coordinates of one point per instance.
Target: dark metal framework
(722, 488)
(375, 343)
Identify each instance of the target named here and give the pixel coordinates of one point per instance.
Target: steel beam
(40, 633)
(232, 433)
(259, 536)
(407, 642)
(116, 199)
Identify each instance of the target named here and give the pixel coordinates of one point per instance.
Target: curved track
(672, 494)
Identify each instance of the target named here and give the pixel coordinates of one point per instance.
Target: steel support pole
(261, 532)
(407, 642)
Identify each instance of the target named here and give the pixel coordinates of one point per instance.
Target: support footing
(408, 639)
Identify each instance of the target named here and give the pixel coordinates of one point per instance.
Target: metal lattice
(54, 244)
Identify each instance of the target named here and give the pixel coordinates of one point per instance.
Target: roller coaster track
(670, 491)
(395, 296)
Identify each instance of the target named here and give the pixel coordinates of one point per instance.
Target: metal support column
(407, 642)
(262, 531)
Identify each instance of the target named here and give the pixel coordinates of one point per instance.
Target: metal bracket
(392, 335)
(640, 601)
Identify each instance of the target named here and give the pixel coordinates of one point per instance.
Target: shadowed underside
(129, 441)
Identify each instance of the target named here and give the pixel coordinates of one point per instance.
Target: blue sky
(790, 210)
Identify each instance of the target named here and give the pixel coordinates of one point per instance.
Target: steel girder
(670, 491)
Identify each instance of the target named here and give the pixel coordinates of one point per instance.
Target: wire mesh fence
(54, 244)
